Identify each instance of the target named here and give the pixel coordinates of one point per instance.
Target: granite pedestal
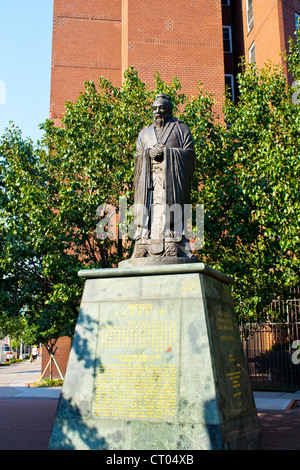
(156, 364)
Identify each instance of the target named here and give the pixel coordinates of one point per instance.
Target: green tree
(33, 260)
(251, 189)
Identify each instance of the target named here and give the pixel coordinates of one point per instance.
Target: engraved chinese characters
(136, 390)
(226, 330)
(139, 378)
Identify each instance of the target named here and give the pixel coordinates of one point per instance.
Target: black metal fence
(270, 348)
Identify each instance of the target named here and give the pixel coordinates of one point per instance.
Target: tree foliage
(256, 207)
(247, 177)
(36, 272)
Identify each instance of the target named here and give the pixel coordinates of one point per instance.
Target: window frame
(250, 24)
(227, 4)
(228, 28)
(231, 76)
(297, 21)
(250, 51)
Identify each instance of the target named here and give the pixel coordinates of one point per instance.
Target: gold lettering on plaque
(137, 382)
(225, 326)
(145, 334)
(136, 390)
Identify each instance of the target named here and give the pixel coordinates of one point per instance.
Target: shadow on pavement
(26, 423)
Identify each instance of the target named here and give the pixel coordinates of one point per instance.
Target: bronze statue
(164, 166)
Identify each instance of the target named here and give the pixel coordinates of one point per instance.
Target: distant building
(194, 40)
(261, 29)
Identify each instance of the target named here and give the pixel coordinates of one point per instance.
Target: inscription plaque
(138, 369)
(235, 375)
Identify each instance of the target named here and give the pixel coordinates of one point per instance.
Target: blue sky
(25, 64)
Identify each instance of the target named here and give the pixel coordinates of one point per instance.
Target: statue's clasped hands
(157, 153)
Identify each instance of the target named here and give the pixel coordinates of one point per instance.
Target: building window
(252, 55)
(227, 39)
(297, 21)
(250, 22)
(225, 3)
(229, 85)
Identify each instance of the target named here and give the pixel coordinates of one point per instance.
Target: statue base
(149, 252)
(155, 261)
(156, 364)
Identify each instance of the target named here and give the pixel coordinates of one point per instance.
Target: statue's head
(162, 109)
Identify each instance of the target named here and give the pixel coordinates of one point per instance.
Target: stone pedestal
(156, 364)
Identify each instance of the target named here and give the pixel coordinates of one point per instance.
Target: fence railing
(270, 348)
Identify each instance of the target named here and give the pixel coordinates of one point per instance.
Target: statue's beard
(159, 120)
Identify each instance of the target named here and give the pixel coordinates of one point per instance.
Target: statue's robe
(177, 169)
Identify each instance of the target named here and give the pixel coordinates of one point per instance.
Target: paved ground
(27, 414)
(280, 424)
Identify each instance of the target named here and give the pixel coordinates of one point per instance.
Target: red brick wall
(61, 355)
(86, 45)
(274, 22)
(180, 38)
(265, 33)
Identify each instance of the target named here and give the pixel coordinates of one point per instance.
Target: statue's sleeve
(138, 159)
(180, 165)
(142, 179)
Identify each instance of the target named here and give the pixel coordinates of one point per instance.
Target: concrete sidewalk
(27, 414)
(274, 400)
(280, 423)
(20, 373)
(14, 380)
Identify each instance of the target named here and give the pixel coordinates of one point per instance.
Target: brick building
(61, 353)
(194, 40)
(99, 38)
(261, 29)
